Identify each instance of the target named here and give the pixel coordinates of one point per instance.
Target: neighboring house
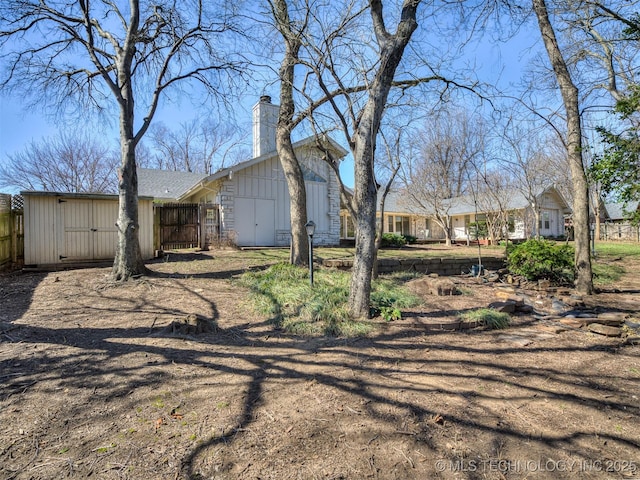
(616, 225)
(404, 217)
(249, 202)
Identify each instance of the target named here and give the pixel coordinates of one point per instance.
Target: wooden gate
(188, 225)
(210, 222)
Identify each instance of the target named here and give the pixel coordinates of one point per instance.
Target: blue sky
(18, 126)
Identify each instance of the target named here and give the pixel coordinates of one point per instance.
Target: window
(347, 229)
(398, 224)
(544, 223)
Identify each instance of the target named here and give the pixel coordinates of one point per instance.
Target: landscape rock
(524, 308)
(435, 286)
(505, 290)
(506, 307)
(604, 330)
(632, 340)
(572, 322)
(544, 284)
(632, 323)
(558, 306)
(611, 318)
(551, 328)
(610, 321)
(573, 300)
(505, 293)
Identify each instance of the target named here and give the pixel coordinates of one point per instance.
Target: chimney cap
(265, 99)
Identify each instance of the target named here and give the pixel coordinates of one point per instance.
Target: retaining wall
(441, 266)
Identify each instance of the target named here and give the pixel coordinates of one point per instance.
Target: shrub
(478, 230)
(411, 240)
(393, 240)
(538, 259)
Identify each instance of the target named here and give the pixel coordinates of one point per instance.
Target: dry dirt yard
(92, 386)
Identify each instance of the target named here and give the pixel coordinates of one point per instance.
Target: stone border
(442, 326)
(441, 266)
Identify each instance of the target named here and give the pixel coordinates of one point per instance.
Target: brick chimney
(265, 118)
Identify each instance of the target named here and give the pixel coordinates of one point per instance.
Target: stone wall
(441, 266)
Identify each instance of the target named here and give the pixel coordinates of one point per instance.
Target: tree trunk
(290, 165)
(365, 187)
(447, 232)
(584, 278)
(128, 259)
(297, 196)
(378, 238)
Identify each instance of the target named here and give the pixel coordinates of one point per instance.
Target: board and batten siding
(70, 228)
(266, 181)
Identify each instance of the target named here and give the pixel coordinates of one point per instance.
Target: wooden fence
(11, 231)
(620, 231)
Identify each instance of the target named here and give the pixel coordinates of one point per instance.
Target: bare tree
(196, 146)
(392, 143)
(293, 35)
(529, 163)
(130, 54)
(569, 92)
(391, 48)
(308, 37)
(68, 163)
(452, 146)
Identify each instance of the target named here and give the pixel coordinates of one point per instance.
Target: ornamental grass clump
(284, 294)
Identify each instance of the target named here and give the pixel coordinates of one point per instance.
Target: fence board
(11, 230)
(5, 238)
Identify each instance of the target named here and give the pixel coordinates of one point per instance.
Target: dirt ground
(91, 387)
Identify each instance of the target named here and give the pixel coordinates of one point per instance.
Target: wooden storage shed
(77, 228)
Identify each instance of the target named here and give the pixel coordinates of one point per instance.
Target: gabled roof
(398, 201)
(514, 200)
(166, 185)
(225, 172)
(615, 211)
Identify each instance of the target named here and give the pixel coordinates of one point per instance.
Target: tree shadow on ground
(398, 395)
(368, 371)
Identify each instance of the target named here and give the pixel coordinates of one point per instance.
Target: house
(511, 212)
(616, 224)
(248, 204)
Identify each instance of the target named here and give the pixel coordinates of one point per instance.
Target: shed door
(255, 222)
(76, 216)
(89, 229)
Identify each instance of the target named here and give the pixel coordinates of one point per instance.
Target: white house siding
(265, 182)
(69, 228)
(549, 205)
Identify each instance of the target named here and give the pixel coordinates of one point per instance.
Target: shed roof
(91, 196)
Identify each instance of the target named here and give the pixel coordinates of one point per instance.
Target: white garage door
(255, 222)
